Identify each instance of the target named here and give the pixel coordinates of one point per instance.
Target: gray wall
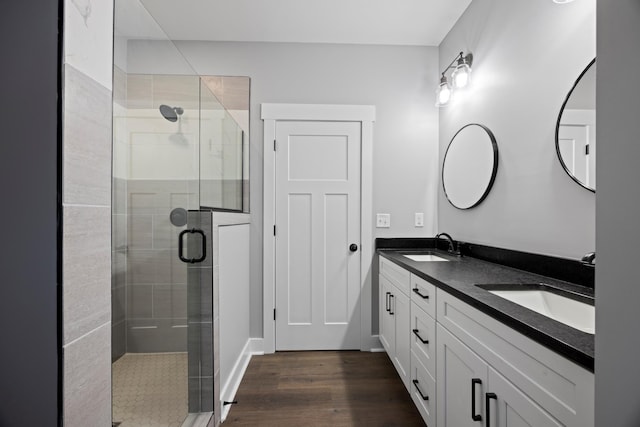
(527, 55)
(399, 81)
(28, 182)
(618, 210)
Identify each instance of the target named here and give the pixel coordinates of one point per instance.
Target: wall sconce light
(460, 78)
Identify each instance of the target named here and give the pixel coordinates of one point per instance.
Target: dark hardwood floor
(323, 388)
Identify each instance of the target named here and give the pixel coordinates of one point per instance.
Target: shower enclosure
(176, 149)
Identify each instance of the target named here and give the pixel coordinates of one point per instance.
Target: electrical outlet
(383, 220)
(419, 221)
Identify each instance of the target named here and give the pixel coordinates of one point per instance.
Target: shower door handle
(181, 246)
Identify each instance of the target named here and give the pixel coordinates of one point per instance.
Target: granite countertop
(459, 277)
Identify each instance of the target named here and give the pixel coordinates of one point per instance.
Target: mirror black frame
(564, 104)
(494, 172)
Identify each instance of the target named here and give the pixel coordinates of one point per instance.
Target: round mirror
(469, 166)
(576, 130)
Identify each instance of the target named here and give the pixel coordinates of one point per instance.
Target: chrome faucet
(589, 259)
(452, 248)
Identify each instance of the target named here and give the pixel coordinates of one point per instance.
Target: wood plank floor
(323, 388)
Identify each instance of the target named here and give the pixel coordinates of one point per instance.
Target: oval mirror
(576, 130)
(469, 166)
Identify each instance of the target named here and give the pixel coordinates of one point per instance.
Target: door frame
(365, 115)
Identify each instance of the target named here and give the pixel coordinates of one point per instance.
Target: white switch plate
(419, 222)
(383, 220)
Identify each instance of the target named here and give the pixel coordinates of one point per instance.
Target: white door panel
(577, 143)
(317, 178)
(512, 408)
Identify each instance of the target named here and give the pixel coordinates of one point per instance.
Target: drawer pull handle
(387, 301)
(474, 416)
(390, 306)
(415, 383)
(415, 332)
(488, 397)
(417, 291)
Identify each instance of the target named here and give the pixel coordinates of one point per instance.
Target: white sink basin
(574, 313)
(425, 258)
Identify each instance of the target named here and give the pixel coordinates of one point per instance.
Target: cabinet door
(386, 320)
(507, 406)
(402, 356)
(461, 382)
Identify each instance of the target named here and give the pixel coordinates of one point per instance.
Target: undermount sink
(551, 303)
(425, 257)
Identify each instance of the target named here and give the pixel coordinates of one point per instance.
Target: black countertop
(459, 277)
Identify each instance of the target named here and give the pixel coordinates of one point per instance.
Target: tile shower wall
(156, 312)
(86, 204)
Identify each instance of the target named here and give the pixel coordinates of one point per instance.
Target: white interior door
(577, 142)
(317, 212)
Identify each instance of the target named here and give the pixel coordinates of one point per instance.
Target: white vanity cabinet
(394, 316)
(465, 368)
(489, 370)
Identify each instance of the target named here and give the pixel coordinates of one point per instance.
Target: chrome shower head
(171, 113)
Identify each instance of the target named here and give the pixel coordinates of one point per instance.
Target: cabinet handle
(474, 416)
(415, 383)
(415, 332)
(387, 301)
(488, 397)
(417, 291)
(391, 306)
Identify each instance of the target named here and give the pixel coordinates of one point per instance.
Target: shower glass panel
(224, 109)
(156, 170)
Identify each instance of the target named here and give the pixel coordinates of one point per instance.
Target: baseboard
(253, 347)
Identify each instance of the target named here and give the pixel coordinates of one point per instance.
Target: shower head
(171, 113)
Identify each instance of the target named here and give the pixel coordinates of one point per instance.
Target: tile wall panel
(156, 278)
(86, 270)
(87, 140)
(87, 385)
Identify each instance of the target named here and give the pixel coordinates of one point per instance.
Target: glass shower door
(156, 170)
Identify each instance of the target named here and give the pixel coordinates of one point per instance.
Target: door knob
(353, 247)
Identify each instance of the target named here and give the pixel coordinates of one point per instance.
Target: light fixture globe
(461, 76)
(443, 92)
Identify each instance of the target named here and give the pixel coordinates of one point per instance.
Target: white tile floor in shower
(150, 390)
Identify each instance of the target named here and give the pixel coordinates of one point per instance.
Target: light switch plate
(383, 220)
(419, 221)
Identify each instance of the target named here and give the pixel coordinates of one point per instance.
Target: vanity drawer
(423, 294)
(423, 328)
(396, 275)
(423, 390)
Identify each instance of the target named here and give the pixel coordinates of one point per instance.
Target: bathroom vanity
(470, 357)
